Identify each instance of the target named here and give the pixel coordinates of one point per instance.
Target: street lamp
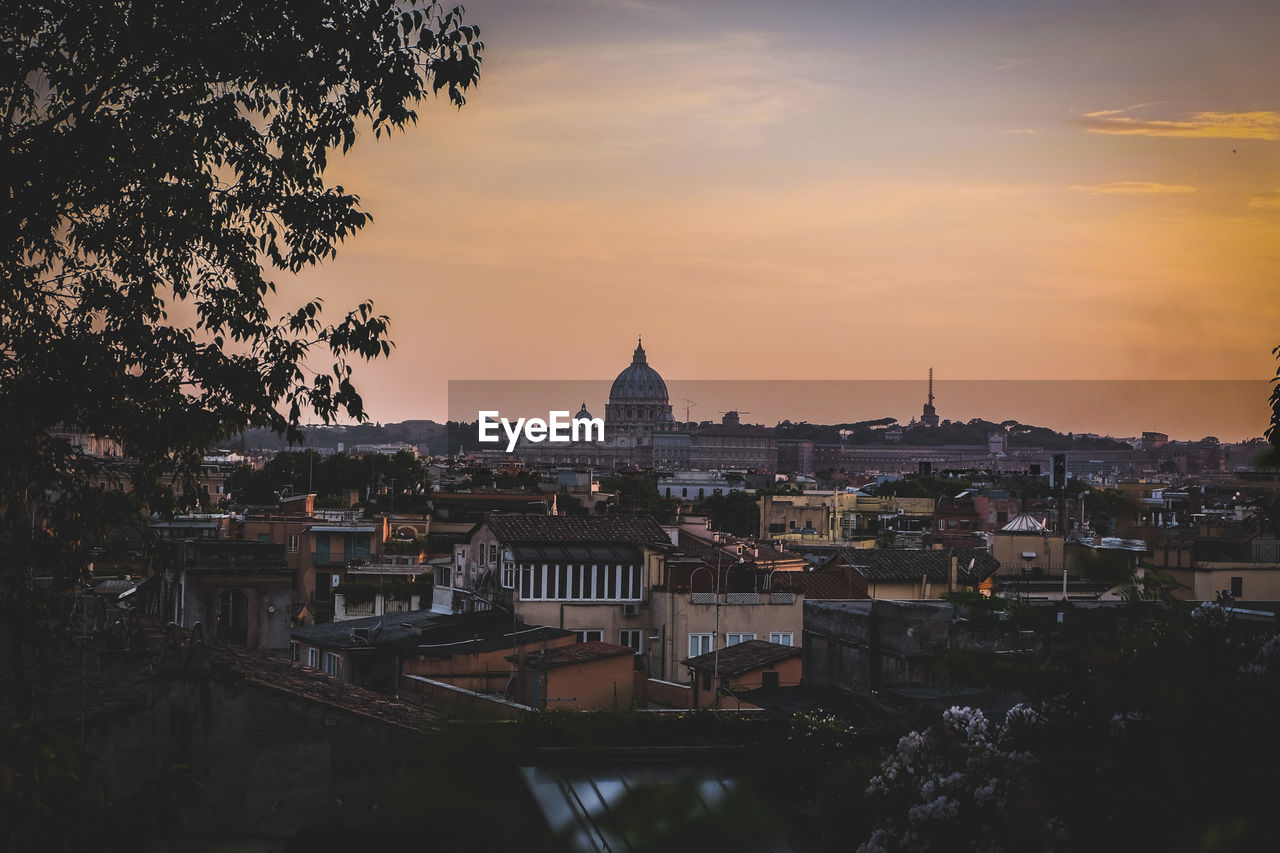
(715, 638)
(281, 495)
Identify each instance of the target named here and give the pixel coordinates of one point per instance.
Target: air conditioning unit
(631, 610)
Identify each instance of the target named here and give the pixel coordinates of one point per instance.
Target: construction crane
(688, 404)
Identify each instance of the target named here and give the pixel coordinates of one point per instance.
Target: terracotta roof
(837, 582)
(576, 653)
(743, 657)
(122, 684)
(633, 529)
(395, 626)
(908, 564)
(275, 673)
(702, 545)
(474, 633)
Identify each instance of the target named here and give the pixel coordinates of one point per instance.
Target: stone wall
(269, 764)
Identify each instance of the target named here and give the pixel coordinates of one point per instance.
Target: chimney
(955, 572)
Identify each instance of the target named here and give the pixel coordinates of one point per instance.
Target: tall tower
(930, 416)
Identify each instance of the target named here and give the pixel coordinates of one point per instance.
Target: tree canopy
(163, 162)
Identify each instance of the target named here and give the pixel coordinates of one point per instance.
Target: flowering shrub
(1209, 613)
(964, 784)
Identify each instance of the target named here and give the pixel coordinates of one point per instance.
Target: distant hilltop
(429, 437)
(432, 438)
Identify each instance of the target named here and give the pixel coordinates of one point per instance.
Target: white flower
(1209, 612)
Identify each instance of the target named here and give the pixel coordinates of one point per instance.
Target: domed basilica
(638, 405)
(638, 408)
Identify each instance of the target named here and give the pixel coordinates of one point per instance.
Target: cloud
(1023, 131)
(1258, 124)
(1010, 63)
(1133, 188)
(1266, 201)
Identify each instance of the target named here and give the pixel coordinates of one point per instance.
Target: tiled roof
(633, 529)
(474, 633)
(278, 674)
(837, 582)
(743, 657)
(702, 545)
(585, 553)
(576, 653)
(395, 626)
(122, 685)
(908, 564)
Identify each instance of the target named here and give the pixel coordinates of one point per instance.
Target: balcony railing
(741, 599)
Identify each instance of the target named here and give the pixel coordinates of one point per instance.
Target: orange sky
(830, 191)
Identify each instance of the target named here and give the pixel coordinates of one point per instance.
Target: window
(293, 543)
(700, 644)
(508, 575)
(583, 582)
(324, 584)
(1237, 587)
(630, 638)
(493, 553)
(313, 658)
(295, 651)
(768, 679)
(233, 621)
(263, 537)
(333, 664)
(782, 638)
(734, 639)
(590, 635)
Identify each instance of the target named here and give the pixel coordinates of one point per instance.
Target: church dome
(638, 382)
(583, 414)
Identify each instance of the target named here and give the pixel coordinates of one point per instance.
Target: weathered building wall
(859, 644)
(269, 765)
(592, 685)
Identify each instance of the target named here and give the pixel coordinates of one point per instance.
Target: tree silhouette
(161, 160)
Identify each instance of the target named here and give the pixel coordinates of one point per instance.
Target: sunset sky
(1002, 190)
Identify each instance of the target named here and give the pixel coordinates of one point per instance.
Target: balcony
(379, 606)
(358, 608)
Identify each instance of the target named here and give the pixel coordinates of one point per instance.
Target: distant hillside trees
(396, 482)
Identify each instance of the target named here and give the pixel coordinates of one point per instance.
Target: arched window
(233, 617)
